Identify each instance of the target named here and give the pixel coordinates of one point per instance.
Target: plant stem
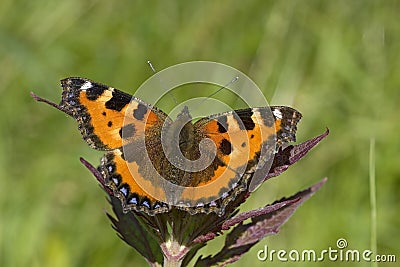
(372, 197)
(174, 253)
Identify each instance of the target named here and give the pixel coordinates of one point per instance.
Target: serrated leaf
(135, 233)
(291, 154)
(244, 236)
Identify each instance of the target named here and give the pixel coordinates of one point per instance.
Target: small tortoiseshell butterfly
(130, 131)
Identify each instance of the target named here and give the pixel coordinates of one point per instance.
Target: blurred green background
(335, 61)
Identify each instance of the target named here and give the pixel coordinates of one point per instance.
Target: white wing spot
(86, 85)
(277, 113)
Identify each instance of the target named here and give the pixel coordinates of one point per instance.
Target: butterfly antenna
(151, 66)
(161, 82)
(216, 92)
(221, 88)
(225, 86)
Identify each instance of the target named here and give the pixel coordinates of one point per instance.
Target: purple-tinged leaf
(48, 102)
(291, 154)
(98, 176)
(244, 236)
(255, 213)
(134, 231)
(204, 238)
(192, 253)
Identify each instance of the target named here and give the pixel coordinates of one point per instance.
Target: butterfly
(153, 162)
